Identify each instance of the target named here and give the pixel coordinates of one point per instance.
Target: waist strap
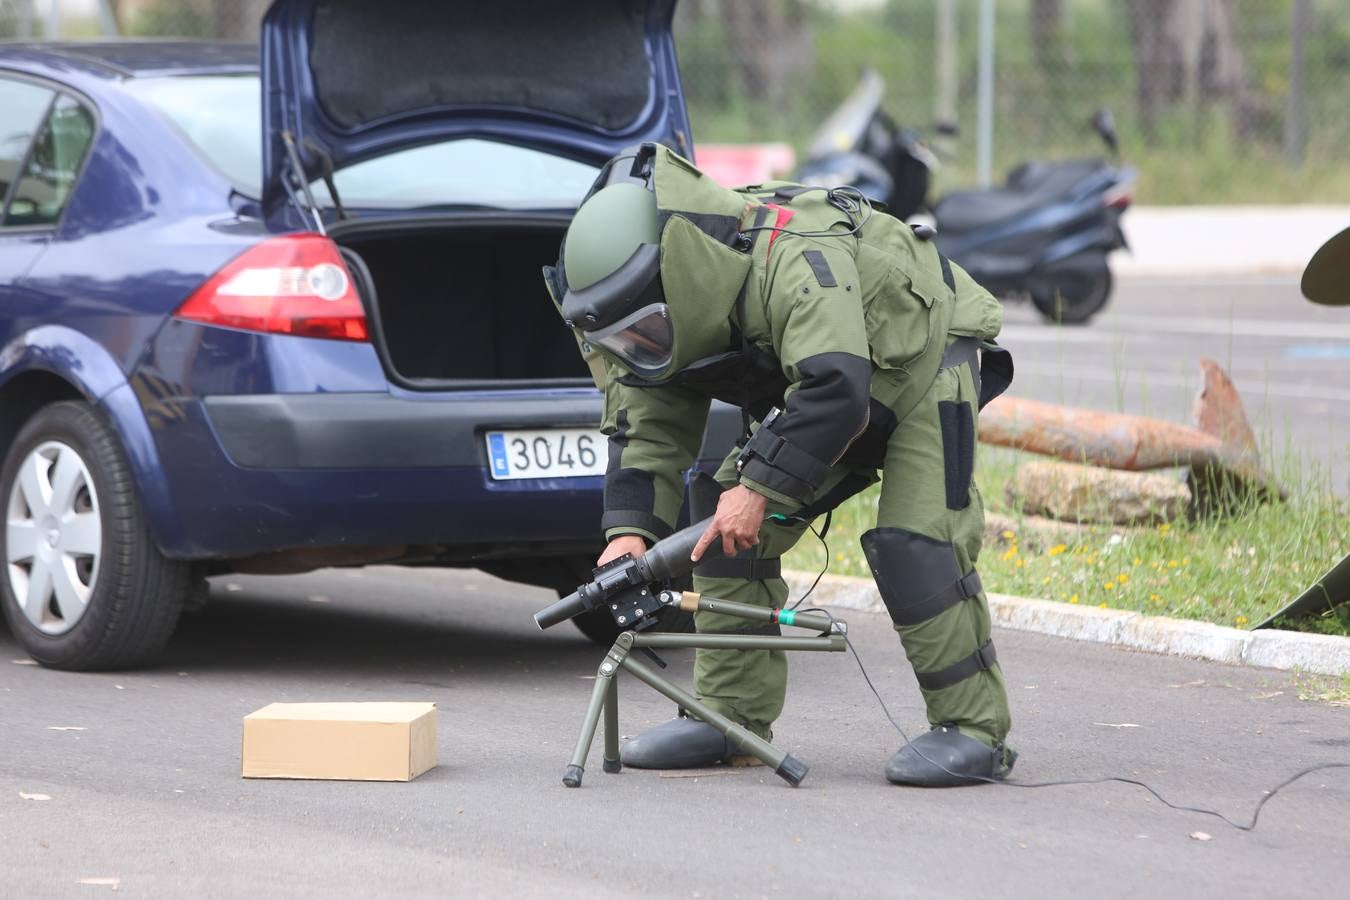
(749, 569)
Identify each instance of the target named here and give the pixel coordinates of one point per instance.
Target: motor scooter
(1044, 234)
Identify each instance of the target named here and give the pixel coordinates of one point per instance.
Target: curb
(1323, 654)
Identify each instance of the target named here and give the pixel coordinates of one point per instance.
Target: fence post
(1295, 115)
(944, 109)
(985, 129)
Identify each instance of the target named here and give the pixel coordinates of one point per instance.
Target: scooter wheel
(1072, 294)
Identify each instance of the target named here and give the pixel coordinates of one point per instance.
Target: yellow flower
(1154, 598)
(1172, 564)
(1110, 585)
(1241, 620)
(1020, 563)
(1057, 550)
(1045, 580)
(1185, 560)
(1010, 553)
(1101, 606)
(1136, 562)
(1008, 535)
(1122, 578)
(1073, 599)
(1164, 528)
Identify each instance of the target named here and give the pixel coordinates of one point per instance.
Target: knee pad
(919, 579)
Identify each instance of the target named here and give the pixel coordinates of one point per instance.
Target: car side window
(22, 107)
(49, 176)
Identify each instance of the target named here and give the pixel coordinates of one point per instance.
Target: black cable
(1251, 826)
(820, 536)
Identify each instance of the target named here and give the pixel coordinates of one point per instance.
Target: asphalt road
(142, 769)
(1289, 359)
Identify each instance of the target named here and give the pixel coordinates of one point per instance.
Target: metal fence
(1216, 100)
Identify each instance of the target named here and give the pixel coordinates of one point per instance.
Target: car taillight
(293, 284)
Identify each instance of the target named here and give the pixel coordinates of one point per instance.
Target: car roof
(139, 58)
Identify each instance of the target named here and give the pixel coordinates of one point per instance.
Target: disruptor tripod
(631, 590)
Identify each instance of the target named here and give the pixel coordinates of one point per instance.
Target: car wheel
(85, 587)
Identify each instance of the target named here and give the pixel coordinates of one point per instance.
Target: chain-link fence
(1216, 100)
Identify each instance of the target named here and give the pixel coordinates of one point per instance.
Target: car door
(24, 106)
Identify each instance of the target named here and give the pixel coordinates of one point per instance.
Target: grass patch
(1323, 688)
(1235, 571)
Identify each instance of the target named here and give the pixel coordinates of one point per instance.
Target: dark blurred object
(1327, 278)
(1320, 600)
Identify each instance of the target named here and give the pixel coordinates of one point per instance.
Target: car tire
(105, 597)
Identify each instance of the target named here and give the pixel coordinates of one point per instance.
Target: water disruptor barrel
(667, 558)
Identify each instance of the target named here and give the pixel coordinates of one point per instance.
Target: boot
(944, 757)
(681, 744)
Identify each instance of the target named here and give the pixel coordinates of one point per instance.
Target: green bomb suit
(867, 341)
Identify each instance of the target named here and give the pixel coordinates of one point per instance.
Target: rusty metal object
(1223, 442)
(1114, 440)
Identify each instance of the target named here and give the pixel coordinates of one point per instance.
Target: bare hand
(624, 543)
(740, 512)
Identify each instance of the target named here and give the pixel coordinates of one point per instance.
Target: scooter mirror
(1327, 278)
(1105, 124)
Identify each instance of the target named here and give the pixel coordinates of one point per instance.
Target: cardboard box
(344, 741)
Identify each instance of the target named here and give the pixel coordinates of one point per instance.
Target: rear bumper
(256, 474)
(377, 430)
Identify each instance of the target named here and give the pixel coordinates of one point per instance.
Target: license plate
(546, 453)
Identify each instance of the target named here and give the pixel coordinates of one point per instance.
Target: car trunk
(464, 301)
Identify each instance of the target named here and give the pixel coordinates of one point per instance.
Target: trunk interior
(467, 302)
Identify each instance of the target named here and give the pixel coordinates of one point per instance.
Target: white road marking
(1111, 326)
(1153, 377)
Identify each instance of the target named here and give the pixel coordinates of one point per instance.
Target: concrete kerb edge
(1322, 654)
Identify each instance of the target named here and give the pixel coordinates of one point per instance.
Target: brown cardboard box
(346, 741)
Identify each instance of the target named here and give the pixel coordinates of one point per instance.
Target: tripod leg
(612, 764)
(572, 777)
(785, 765)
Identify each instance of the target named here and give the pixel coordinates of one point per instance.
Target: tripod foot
(572, 777)
(791, 770)
(613, 766)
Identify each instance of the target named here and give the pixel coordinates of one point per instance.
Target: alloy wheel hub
(53, 537)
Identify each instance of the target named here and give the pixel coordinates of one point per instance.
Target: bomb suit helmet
(612, 262)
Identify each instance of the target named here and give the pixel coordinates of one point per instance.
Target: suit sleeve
(816, 321)
(654, 436)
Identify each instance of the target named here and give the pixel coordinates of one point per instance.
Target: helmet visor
(644, 340)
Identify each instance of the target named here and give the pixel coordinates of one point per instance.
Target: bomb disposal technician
(853, 348)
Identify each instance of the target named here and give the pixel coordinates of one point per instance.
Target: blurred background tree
(1216, 100)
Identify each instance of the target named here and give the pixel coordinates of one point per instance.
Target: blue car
(267, 312)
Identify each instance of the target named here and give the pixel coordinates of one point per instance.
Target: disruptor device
(633, 590)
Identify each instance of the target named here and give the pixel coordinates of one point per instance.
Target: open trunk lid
(349, 80)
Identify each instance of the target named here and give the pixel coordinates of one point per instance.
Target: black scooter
(1045, 234)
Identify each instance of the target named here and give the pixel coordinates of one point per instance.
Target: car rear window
(221, 115)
